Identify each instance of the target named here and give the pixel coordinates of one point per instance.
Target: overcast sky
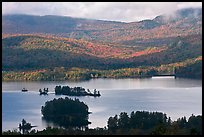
(117, 11)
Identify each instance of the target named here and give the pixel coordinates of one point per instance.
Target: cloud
(117, 11)
(189, 5)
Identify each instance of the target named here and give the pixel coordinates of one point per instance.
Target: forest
(42, 57)
(190, 68)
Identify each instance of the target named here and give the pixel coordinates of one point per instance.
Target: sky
(114, 11)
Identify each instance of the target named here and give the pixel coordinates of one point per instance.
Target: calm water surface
(175, 97)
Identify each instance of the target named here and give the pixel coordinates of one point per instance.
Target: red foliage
(147, 51)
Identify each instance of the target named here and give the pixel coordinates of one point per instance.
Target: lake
(175, 97)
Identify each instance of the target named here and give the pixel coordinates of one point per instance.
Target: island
(44, 92)
(76, 91)
(67, 113)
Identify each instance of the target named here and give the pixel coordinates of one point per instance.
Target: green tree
(123, 121)
(113, 123)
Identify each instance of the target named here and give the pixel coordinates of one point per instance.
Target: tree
(123, 121)
(25, 127)
(113, 123)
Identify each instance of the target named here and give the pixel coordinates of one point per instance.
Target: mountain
(47, 24)
(189, 13)
(181, 23)
(45, 42)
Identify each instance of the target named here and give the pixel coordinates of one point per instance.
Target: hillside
(36, 43)
(40, 51)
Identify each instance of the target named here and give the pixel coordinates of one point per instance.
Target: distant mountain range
(181, 23)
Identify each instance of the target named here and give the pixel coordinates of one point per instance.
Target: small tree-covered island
(66, 112)
(76, 91)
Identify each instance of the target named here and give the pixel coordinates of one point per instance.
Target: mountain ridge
(108, 31)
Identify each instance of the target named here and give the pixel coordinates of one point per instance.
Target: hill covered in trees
(25, 53)
(34, 47)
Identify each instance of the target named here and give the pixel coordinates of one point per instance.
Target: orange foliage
(148, 51)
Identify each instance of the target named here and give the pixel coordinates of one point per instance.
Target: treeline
(56, 74)
(153, 123)
(76, 74)
(191, 71)
(137, 123)
(190, 68)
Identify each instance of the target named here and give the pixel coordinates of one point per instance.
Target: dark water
(175, 97)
